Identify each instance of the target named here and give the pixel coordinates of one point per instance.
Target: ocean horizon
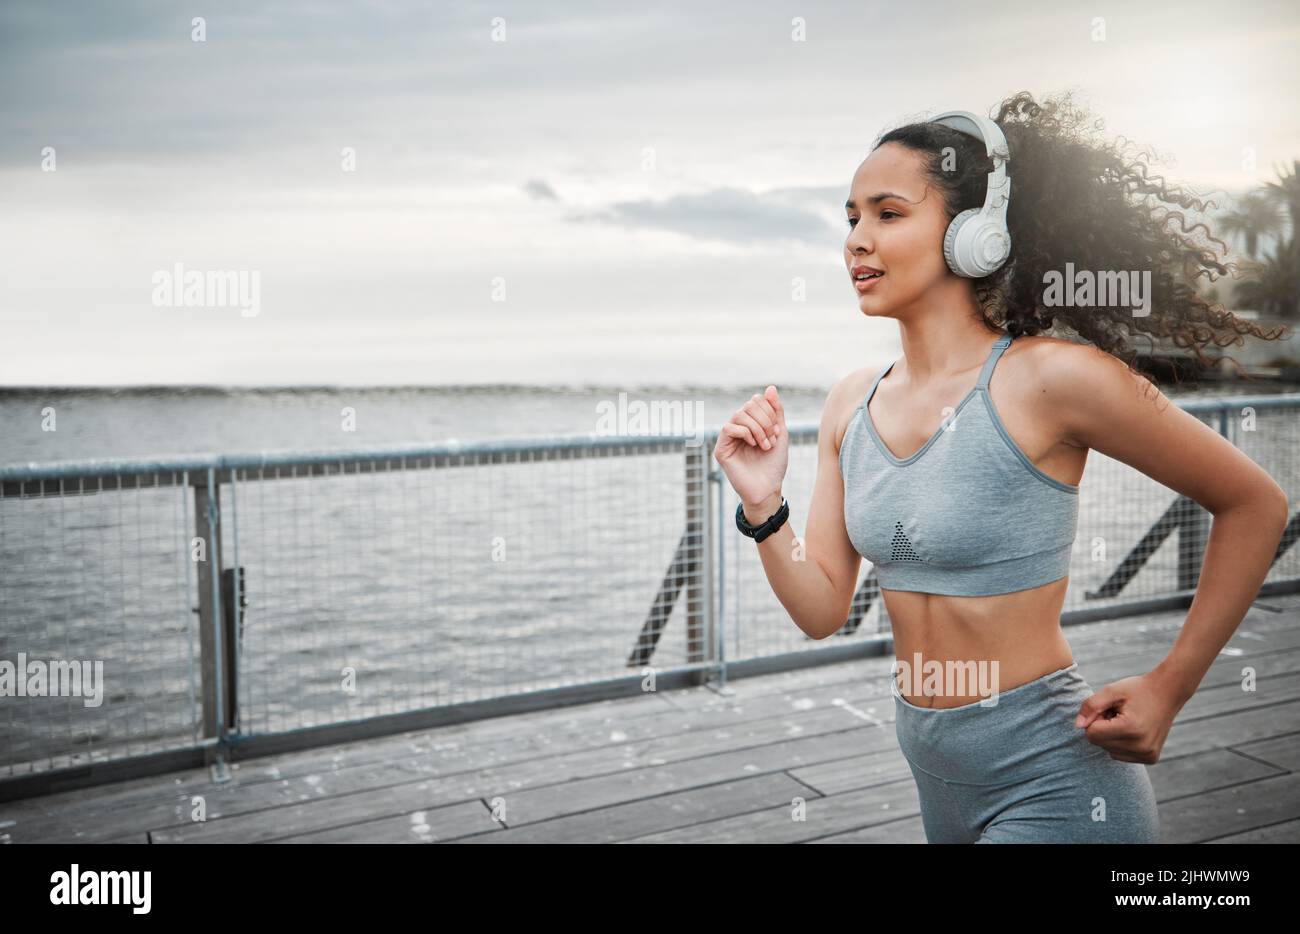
(152, 421)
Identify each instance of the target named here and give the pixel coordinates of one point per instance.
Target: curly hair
(1094, 204)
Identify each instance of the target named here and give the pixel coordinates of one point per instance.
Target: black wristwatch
(760, 532)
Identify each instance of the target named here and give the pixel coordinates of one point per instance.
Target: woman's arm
(1103, 405)
(814, 580)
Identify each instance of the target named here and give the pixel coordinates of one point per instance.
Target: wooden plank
(167, 809)
(563, 779)
(414, 827)
(539, 791)
(837, 776)
(1281, 751)
(880, 806)
(1232, 729)
(1240, 808)
(1204, 771)
(1225, 698)
(686, 808)
(1226, 668)
(533, 734)
(531, 805)
(907, 830)
(288, 820)
(596, 750)
(1288, 831)
(144, 807)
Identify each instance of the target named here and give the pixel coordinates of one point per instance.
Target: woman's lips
(863, 285)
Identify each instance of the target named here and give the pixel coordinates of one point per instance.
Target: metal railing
(242, 605)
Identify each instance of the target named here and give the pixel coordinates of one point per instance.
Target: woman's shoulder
(1044, 345)
(843, 400)
(1054, 376)
(1056, 360)
(851, 390)
(1048, 362)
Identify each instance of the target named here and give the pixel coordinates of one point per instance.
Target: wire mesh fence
(345, 588)
(93, 580)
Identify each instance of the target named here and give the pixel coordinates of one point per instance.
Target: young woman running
(955, 470)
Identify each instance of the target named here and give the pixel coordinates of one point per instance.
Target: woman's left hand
(1130, 718)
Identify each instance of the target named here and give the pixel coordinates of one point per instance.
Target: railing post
(211, 642)
(718, 573)
(699, 631)
(232, 593)
(711, 479)
(232, 603)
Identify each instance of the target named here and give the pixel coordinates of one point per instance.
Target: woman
(956, 471)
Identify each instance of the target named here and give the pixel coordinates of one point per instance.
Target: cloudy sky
(526, 192)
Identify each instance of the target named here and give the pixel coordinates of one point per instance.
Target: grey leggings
(1020, 771)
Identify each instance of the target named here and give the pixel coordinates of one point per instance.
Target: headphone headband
(995, 144)
(978, 241)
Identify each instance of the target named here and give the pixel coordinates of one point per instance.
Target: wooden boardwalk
(693, 766)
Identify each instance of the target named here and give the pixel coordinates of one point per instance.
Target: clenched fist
(754, 449)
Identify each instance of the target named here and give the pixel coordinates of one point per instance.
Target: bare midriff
(1020, 631)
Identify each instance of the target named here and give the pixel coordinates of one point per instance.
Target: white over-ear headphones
(977, 241)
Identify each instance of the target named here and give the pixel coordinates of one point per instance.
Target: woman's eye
(883, 216)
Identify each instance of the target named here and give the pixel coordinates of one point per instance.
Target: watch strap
(765, 528)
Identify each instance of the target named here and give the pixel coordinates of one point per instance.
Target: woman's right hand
(754, 448)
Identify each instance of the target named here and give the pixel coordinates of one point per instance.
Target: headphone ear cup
(950, 241)
(975, 248)
(992, 248)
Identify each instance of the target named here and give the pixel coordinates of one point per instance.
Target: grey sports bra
(968, 514)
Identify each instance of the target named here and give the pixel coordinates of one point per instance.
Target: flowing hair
(1093, 203)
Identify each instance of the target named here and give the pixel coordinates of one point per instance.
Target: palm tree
(1255, 216)
(1274, 284)
(1285, 193)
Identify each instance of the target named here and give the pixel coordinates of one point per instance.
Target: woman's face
(896, 224)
